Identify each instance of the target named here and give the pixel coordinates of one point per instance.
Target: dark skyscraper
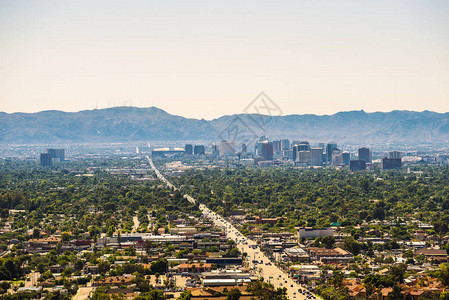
(391, 163)
(267, 150)
(295, 152)
(277, 146)
(357, 165)
(365, 154)
(58, 154)
(45, 159)
(345, 157)
(215, 151)
(244, 148)
(317, 156)
(304, 146)
(188, 149)
(199, 150)
(330, 147)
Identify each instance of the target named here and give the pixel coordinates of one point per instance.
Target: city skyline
(205, 60)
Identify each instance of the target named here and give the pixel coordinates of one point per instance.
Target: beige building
(227, 148)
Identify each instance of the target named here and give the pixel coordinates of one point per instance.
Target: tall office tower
(188, 149)
(301, 146)
(357, 165)
(215, 151)
(365, 154)
(394, 154)
(57, 154)
(277, 146)
(285, 144)
(323, 146)
(267, 150)
(244, 148)
(258, 148)
(305, 157)
(330, 147)
(337, 160)
(391, 163)
(45, 159)
(304, 146)
(295, 152)
(227, 148)
(288, 154)
(199, 150)
(317, 156)
(345, 157)
(258, 145)
(295, 142)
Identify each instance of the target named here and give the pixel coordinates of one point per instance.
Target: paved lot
(34, 277)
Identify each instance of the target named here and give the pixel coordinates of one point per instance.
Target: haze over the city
(206, 59)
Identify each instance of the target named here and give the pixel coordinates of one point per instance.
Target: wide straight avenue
(258, 261)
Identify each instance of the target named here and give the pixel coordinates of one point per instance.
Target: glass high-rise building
(199, 150)
(365, 154)
(330, 147)
(45, 159)
(188, 149)
(317, 156)
(267, 150)
(346, 157)
(58, 154)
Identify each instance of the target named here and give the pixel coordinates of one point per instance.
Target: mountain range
(126, 124)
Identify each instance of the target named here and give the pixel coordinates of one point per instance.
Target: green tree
(352, 245)
(234, 294)
(156, 295)
(397, 273)
(185, 295)
(103, 267)
(328, 241)
(443, 273)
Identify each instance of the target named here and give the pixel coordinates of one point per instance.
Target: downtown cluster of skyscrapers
(302, 153)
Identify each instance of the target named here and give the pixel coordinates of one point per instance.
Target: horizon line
(225, 115)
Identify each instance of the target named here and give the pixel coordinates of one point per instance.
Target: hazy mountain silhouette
(123, 124)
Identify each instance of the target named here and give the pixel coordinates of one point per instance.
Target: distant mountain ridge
(126, 124)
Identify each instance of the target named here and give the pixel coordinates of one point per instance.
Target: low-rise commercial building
(309, 232)
(325, 255)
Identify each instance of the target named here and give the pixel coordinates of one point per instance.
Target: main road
(258, 261)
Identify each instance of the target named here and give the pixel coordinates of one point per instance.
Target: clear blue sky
(208, 58)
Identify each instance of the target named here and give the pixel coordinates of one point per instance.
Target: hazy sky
(207, 58)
